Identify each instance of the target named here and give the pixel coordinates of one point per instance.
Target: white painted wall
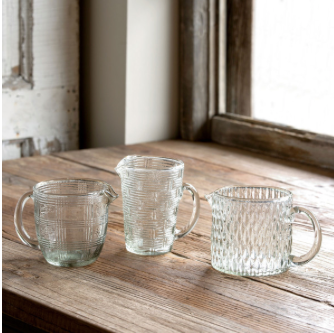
(151, 75)
(130, 64)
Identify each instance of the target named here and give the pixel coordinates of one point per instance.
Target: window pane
(293, 63)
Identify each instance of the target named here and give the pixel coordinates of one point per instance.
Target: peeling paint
(16, 70)
(54, 145)
(40, 116)
(18, 148)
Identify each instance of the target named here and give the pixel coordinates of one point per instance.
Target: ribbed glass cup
(71, 218)
(252, 230)
(152, 188)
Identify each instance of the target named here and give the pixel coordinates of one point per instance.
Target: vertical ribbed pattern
(71, 226)
(151, 190)
(251, 237)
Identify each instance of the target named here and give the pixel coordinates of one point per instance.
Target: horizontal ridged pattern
(151, 190)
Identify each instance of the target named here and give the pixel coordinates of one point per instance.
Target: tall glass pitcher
(152, 188)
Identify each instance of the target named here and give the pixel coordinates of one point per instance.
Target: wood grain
(286, 172)
(207, 175)
(274, 139)
(238, 56)
(175, 292)
(198, 67)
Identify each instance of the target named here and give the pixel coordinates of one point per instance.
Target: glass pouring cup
(71, 217)
(251, 231)
(152, 188)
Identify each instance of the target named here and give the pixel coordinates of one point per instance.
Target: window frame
(215, 86)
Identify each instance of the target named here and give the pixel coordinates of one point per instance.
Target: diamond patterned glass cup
(252, 230)
(152, 188)
(71, 217)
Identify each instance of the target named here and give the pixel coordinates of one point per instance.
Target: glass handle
(21, 232)
(298, 261)
(195, 215)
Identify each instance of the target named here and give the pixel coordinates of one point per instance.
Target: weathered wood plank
(203, 176)
(206, 177)
(198, 74)
(179, 290)
(316, 280)
(185, 284)
(111, 305)
(286, 172)
(195, 246)
(274, 139)
(224, 159)
(238, 56)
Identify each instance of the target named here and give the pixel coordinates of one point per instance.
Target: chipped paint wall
(10, 37)
(44, 113)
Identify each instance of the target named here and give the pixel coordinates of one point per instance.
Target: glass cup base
(149, 252)
(71, 264)
(70, 258)
(252, 272)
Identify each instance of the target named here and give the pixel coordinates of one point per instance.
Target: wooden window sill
(123, 292)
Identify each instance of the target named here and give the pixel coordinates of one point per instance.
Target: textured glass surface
(71, 220)
(251, 230)
(151, 191)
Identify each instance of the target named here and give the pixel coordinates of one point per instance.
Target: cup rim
(287, 192)
(36, 188)
(178, 163)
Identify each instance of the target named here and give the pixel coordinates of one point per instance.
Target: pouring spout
(111, 194)
(120, 166)
(209, 198)
(118, 171)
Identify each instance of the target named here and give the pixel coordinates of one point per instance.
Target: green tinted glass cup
(71, 217)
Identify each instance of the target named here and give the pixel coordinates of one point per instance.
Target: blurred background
(98, 73)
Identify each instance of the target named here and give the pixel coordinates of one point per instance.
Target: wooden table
(179, 291)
